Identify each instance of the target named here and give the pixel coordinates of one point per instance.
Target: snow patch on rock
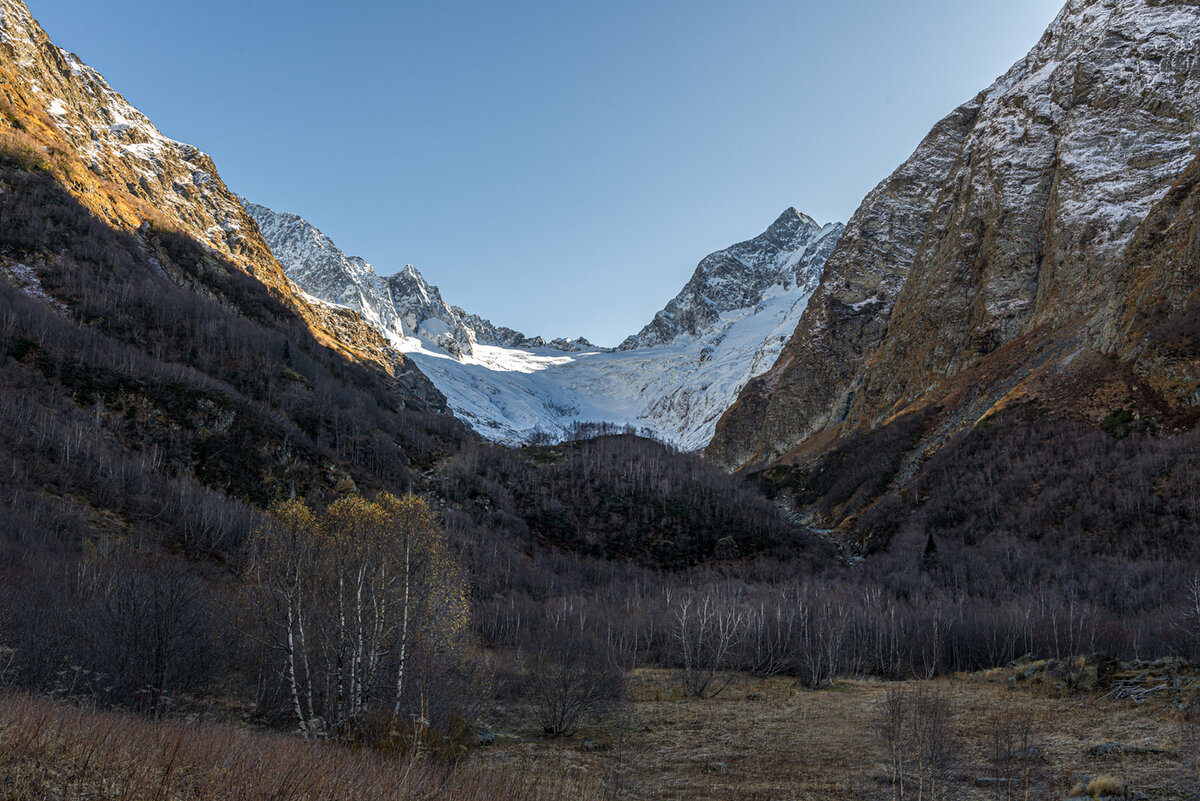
(27, 281)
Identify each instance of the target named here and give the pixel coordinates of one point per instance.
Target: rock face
(124, 170)
(488, 333)
(1156, 322)
(675, 378)
(1005, 259)
(119, 144)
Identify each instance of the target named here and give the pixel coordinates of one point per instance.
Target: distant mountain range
(674, 378)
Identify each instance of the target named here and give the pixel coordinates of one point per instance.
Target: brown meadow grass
(49, 750)
(762, 740)
(772, 740)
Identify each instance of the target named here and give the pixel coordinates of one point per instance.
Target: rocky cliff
(1021, 253)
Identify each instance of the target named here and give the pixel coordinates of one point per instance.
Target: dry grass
(773, 740)
(1100, 787)
(762, 740)
(52, 751)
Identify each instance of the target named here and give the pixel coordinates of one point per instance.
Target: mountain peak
(791, 221)
(791, 252)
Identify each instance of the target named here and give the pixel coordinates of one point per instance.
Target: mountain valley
(905, 508)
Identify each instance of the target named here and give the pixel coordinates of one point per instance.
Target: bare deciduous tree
(823, 632)
(916, 731)
(771, 638)
(570, 679)
(1189, 624)
(1189, 735)
(151, 636)
(1016, 759)
(707, 631)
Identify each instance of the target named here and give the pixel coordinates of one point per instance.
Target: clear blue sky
(555, 165)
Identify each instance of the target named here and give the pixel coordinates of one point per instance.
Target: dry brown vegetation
(772, 739)
(53, 751)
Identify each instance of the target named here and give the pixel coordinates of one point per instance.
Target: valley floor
(761, 740)
(770, 739)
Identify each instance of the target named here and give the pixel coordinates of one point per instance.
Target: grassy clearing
(53, 751)
(770, 739)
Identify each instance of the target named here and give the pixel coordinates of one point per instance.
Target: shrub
(570, 681)
(48, 749)
(1119, 424)
(1103, 786)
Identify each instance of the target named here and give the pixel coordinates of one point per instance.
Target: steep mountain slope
(675, 378)
(129, 172)
(161, 377)
(995, 265)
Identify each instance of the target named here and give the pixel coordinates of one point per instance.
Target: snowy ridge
(738, 277)
(404, 307)
(676, 377)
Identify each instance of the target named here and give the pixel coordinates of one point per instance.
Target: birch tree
(286, 587)
(348, 598)
(707, 633)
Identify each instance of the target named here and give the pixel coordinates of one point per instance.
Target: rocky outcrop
(1156, 320)
(488, 333)
(995, 265)
(808, 388)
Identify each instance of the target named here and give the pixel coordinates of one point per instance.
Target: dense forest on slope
(620, 496)
(1024, 475)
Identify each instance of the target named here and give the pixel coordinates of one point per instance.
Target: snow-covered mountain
(676, 377)
(740, 277)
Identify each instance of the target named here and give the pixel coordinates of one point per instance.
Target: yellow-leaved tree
(350, 600)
